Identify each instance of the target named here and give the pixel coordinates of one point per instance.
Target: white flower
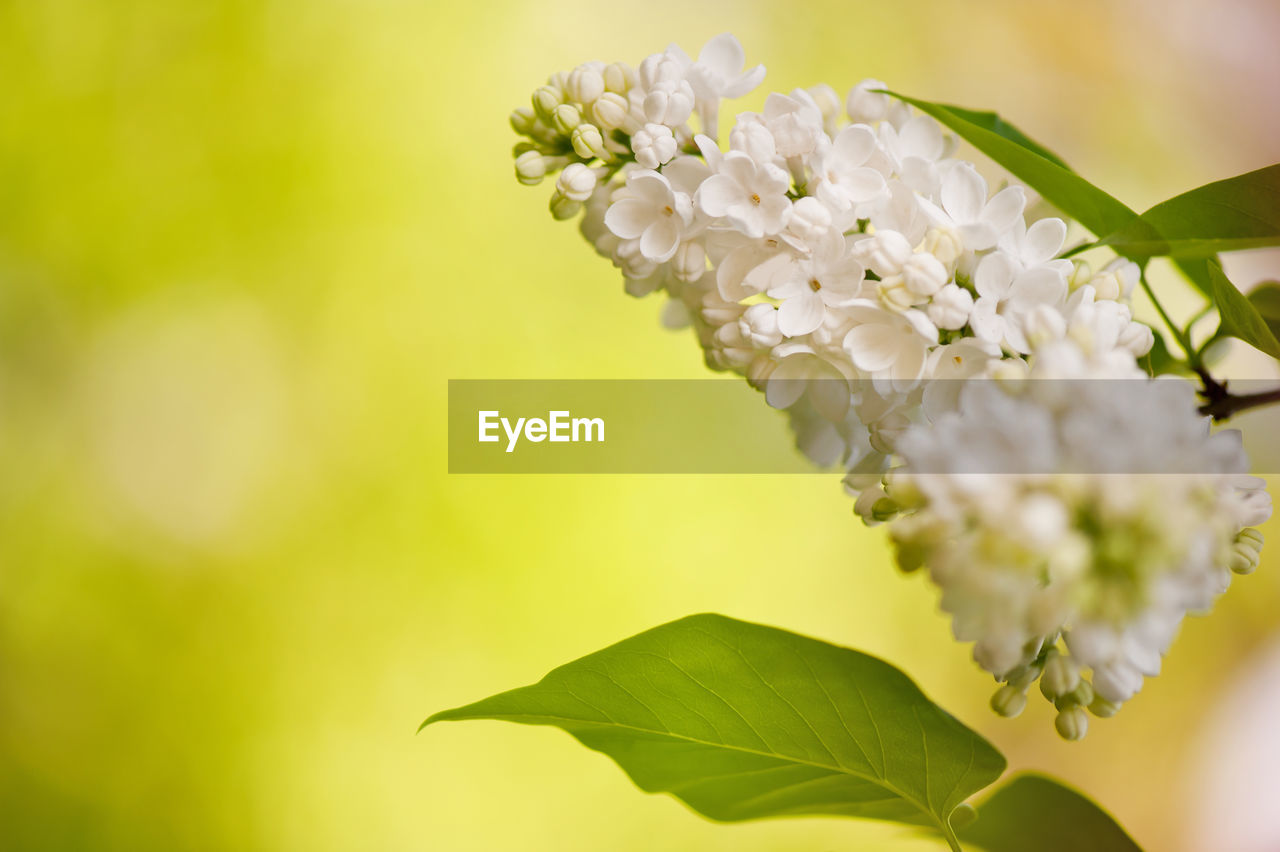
(913, 152)
(1037, 245)
(893, 348)
(654, 145)
(760, 325)
(651, 212)
(965, 208)
(950, 307)
(795, 122)
(865, 106)
(841, 175)
(718, 73)
(1006, 295)
(807, 286)
(665, 95)
(751, 195)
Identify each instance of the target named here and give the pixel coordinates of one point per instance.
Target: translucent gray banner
(716, 426)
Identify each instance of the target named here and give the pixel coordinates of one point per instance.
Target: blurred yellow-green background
(243, 245)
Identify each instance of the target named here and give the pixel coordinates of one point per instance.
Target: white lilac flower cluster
(870, 284)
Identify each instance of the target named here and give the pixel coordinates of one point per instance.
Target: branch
(1221, 404)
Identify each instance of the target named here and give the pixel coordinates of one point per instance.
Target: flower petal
(994, 276)
(724, 55)
(629, 217)
(660, 240)
(717, 194)
(801, 314)
(1004, 207)
(1044, 239)
(854, 144)
(963, 193)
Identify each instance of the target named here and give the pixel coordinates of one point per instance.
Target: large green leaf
(1266, 299)
(1034, 812)
(1032, 163)
(1242, 212)
(743, 721)
(1046, 173)
(1240, 317)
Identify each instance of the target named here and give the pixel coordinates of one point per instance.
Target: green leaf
(1242, 212)
(742, 721)
(1034, 812)
(1240, 317)
(1266, 299)
(1043, 171)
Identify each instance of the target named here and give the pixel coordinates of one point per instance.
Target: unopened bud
(576, 182)
(1072, 723)
(1061, 676)
(924, 274)
(531, 168)
(1246, 551)
(610, 111)
(545, 101)
(618, 78)
(563, 207)
(1102, 708)
(1081, 274)
(565, 118)
(884, 509)
(584, 84)
(1009, 701)
(689, 262)
(588, 142)
(522, 120)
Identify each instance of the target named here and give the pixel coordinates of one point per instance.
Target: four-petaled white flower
(652, 212)
(751, 195)
(965, 208)
(1006, 295)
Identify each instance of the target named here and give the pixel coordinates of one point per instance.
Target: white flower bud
(690, 261)
(545, 101)
(588, 142)
(576, 182)
(669, 103)
(531, 168)
(1102, 708)
(1072, 723)
(523, 120)
(894, 293)
(565, 117)
(563, 207)
(884, 253)
(924, 274)
(944, 244)
(1081, 274)
(950, 307)
(810, 219)
(1126, 272)
(1137, 338)
(610, 111)
(618, 78)
(1008, 701)
(760, 325)
(585, 84)
(865, 106)
(654, 145)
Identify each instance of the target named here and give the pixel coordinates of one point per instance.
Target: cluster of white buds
(848, 265)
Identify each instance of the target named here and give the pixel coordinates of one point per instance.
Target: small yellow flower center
(815, 285)
(668, 210)
(755, 198)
